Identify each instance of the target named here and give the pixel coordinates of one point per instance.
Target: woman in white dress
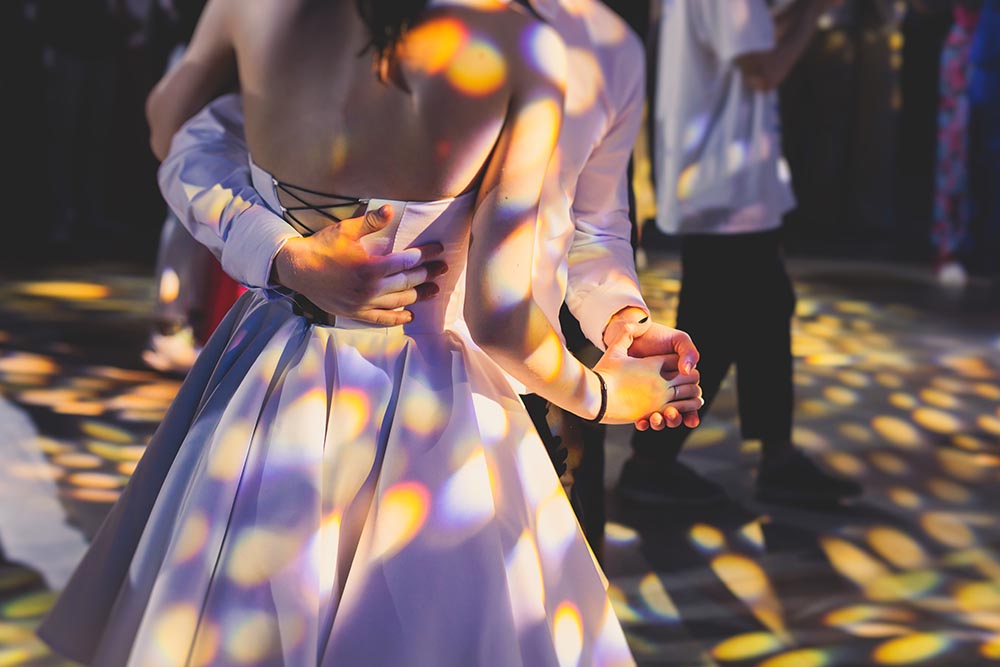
(332, 493)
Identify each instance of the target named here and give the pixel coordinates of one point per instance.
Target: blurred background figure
(953, 208)
(192, 291)
(723, 186)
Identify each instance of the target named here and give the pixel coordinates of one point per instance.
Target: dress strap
(297, 193)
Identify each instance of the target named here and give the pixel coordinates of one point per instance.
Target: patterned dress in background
(952, 200)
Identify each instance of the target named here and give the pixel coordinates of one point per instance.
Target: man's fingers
(405, 280)
(692, 419)
(386, 318)
(403, 298)
(688, 353)
(656, 421)
(642, 425)
(409, 259)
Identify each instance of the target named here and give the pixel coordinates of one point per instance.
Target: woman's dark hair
(387, 21)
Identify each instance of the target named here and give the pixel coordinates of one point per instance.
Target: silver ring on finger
(675, 393)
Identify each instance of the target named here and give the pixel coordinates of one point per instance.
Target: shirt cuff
(597, 309)
(254, 240)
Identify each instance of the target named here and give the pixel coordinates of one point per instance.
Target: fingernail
(385, 210)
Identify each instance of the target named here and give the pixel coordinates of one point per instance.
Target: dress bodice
(414, 223)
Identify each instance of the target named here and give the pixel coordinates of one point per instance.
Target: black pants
(736, 302)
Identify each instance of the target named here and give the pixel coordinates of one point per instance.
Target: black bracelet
(604, 399)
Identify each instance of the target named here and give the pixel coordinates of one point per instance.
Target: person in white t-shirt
(723, 186)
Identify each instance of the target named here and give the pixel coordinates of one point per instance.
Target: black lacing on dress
(330, 201)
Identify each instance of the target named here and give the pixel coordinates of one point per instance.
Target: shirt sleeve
(602, 278)
(733, 28)
(206, 182)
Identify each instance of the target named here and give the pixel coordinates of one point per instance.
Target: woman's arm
(501, 312)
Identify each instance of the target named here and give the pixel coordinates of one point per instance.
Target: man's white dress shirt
(583, 251)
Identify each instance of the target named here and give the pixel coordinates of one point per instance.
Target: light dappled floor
(898, 386)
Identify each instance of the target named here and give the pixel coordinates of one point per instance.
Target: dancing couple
(348, 475)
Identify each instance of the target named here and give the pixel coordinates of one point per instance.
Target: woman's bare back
(318, 116)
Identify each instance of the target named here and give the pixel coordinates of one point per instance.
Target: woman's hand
(640, 388)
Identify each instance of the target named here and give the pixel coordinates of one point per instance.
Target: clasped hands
(378, 288)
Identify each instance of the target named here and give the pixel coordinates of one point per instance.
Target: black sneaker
(674, 484)
(796, 479)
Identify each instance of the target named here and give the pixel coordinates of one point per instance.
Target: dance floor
(898, 386)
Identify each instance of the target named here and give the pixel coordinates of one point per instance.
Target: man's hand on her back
(332, 269)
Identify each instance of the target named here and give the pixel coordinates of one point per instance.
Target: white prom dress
(343, 496)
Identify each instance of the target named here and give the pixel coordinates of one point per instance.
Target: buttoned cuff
(600, 305)
(254, 239)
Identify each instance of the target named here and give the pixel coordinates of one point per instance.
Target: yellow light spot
(65, 290)
(107, 432)
(991, 648)
(524, 573)
(431, 45)
(897, 547)
(897, 431)
(686, 181)
(963, 466)
(174, 632)
(588, 81)
(400, 516)
(904, 497)
(29, 364)
(225, 460)
(939, 399)
(889, 463)
(29, 606)
(466, 502)
(948, 529)
(990, 392)
(93, 495)
(206, 648)
(903, 401)
(556, 527)
(252, 638)
(989, 423)
(116, 452)
(949, 491)
(937, 420)
(616, 533)
(747, 581)
(657, 599)
(78, 460)
(978, 596)
(905, 586)
(852, 561)
(745, 646)
(878, 630)
(477, 69)
(841, 396)
(422, 411)
(862, 613)
(259, 554)
(807, 657)
(911, 649)
(170, 286)
(707, 538)
(96, 480)
(857, 433)
(889, 380)
(567, 632)
(193, 536)
(845, 463)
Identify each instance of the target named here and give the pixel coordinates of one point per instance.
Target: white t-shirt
(718, 144)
